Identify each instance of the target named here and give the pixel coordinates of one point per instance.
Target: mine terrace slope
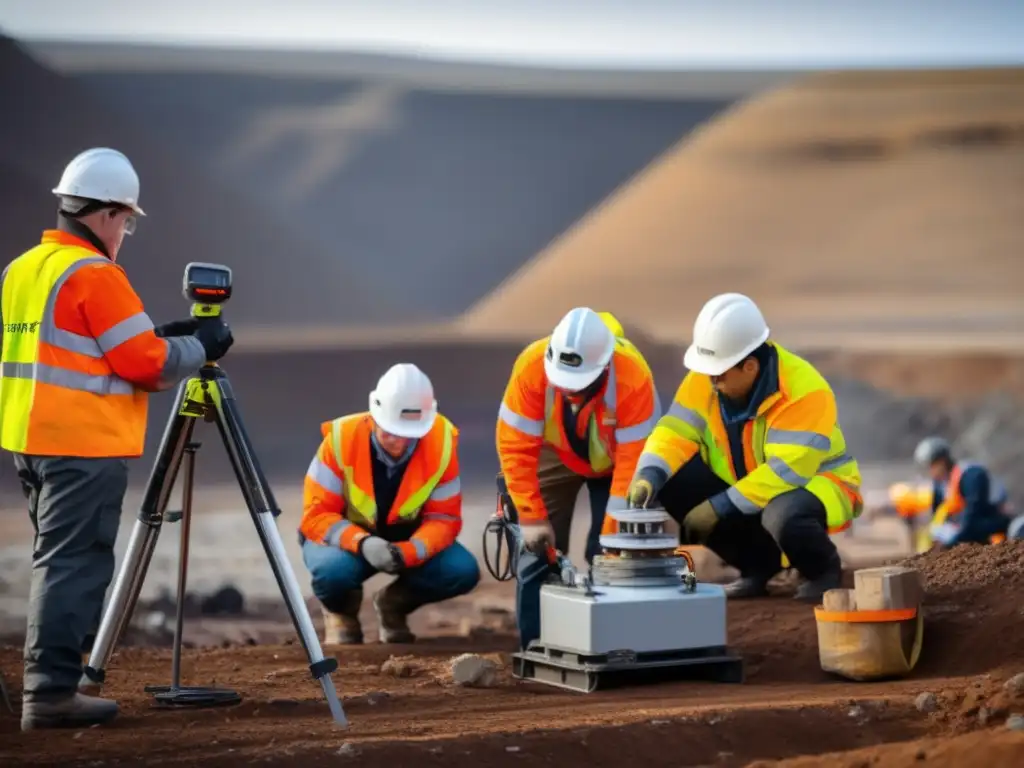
(408, 712)
(861, 210)
(192, 216)
(430, 190)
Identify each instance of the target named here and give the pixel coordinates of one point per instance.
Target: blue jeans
(532, 571)
(451, 572)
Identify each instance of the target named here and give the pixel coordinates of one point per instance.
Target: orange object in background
(910, 501)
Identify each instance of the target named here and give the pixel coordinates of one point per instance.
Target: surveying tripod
(207, 395)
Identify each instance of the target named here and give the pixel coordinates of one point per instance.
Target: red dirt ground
(787, 709)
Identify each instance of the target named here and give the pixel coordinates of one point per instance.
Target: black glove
(177, 328)
(215, 336)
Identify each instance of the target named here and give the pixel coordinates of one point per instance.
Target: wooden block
(888, 588)
(839, 600)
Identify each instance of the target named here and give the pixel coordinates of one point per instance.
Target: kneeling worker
(750, 458)
(383, 494)
(969, 505)
(575, 412)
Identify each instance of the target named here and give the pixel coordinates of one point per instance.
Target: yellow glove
(640, 494)
(700, 522)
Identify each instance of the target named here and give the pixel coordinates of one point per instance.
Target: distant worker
(750, 458)
(576, 411)
(383, 494)
(969, 504)
(79, 356)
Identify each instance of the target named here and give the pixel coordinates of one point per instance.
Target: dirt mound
(970, 567)
(192, 217)
(992, 749)
(973, 618)
(846, 205)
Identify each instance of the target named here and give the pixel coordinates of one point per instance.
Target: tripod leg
(143, 539)
(186, 524)
(263, 508)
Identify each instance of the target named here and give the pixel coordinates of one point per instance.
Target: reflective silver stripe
(652, 460)
(185, 356)
(688, 415)
(62, 377)
(127, 329)
(835, 462)
(333, 536)
(637, 431)
(786, 472)
(447, 490)
(72, 342)
(798, 437)
(57, 337)
(531, 427)
(741, 502)
(440, 518)
(657, 400)
(324, 476)
(420, 547)
(616, 503)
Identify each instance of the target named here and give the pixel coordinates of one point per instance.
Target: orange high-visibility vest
(74, 329)
(338, 504)
(615, 423)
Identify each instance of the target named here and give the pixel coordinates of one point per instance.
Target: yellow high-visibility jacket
(793, 441)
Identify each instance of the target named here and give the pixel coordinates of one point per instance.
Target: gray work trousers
(75, 507)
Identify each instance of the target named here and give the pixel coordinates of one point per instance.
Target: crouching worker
(576, 411)
(383, 494)
(969, 504)
(750, 459)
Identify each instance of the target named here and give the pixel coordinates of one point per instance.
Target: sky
(596, 33)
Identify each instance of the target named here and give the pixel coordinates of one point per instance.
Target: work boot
(814, 591)
(74, 710)
(87, 686)
(747, 586)
(344, 628)
(394, 603)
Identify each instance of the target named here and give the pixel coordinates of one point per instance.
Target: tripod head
(207, 286)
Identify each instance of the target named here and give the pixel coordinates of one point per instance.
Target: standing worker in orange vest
(383, 494)
(79, 356)
(576, 411)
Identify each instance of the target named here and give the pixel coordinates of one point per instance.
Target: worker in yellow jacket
(750, 458)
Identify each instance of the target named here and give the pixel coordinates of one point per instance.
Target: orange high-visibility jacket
(338, 505)
(616, 424)
(79, 354)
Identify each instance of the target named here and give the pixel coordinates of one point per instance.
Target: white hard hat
(403, 403)
(931, 449)
(101, 174)
(728, 329)
(579, 350)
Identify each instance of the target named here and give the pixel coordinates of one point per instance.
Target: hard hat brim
(58, 192)
(570, 381)
(698, 363)
(412, 430)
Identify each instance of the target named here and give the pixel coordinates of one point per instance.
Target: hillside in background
(429, 192)
(857, 209)
(48, 118)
